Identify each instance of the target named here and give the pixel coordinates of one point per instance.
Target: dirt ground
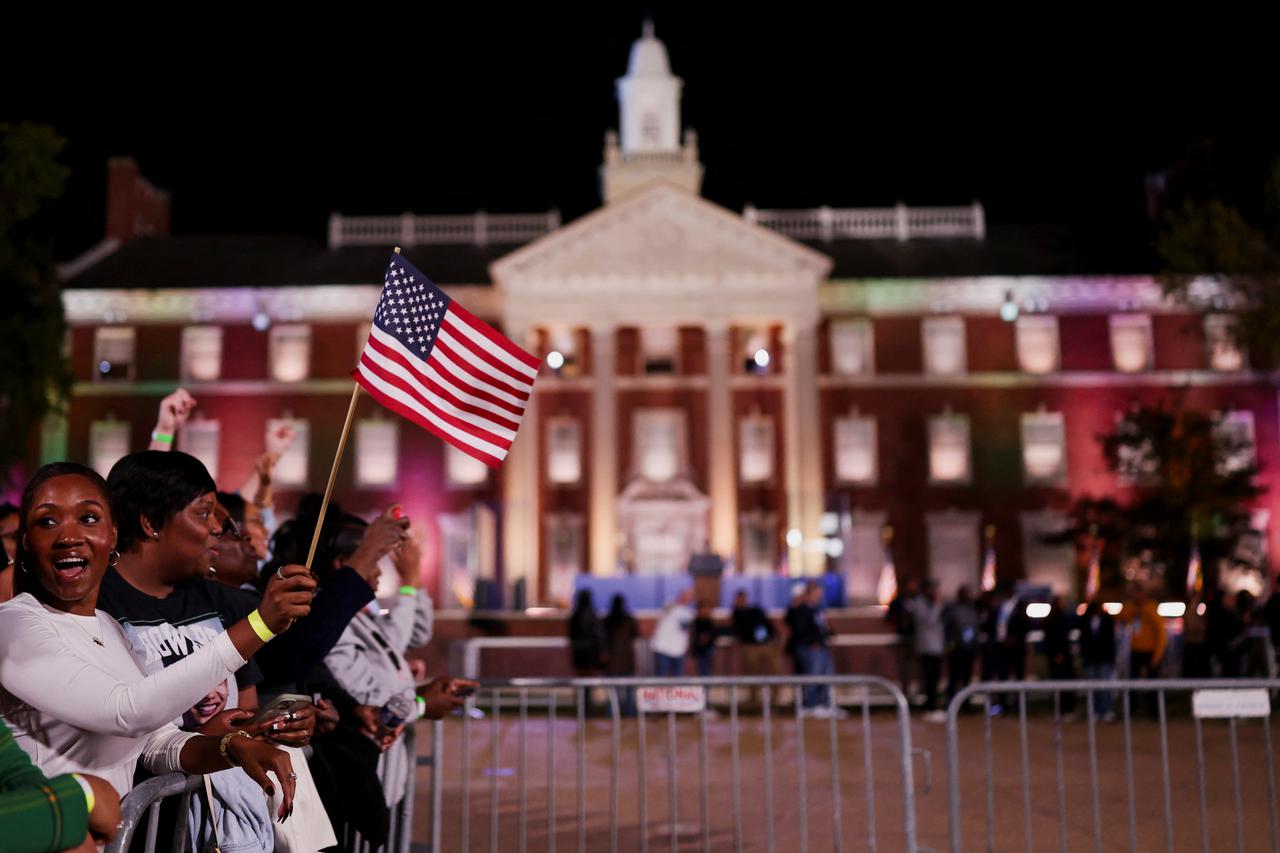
(803, 808)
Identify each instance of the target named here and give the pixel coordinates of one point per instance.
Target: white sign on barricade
(681, 700)
(1231, 703)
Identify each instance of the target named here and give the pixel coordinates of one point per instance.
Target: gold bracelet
(222, 747)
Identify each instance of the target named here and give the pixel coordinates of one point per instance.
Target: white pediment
(659, 231)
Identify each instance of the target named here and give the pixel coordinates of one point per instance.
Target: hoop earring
(112, 563)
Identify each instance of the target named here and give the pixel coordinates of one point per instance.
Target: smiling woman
(69, 686)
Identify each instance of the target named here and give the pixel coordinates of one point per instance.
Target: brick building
(777, 385)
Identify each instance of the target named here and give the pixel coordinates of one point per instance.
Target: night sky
(268, 129)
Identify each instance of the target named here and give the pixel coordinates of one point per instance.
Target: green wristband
(408, 590)
(162, 437)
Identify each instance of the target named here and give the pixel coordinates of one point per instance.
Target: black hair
(7, 509)
(340, 535)
(234, 505)
(156, 485)
(25, 580)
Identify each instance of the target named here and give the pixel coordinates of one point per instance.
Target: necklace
(97, 617)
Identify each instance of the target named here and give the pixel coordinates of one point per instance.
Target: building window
(759, 531)
(113, 352)
(953, 550)
(944, 346)
(200, 438)
(1044, 451)
(564, 341)
(1043, 562)
(564, 452)
(377, 453)
(651, 129)
(1222, 339)
(852, 347)
(1136, 462)
(661, 348)
(949, 461)
(291, 470)
(1237, 449)
(755, 449)
(202, 353)
(855, 450)
(659, 444)
(1131, 348)
(1038, 350)
(290, 353)
(565, 549)
(755, 355)
(108, 441)
(462, 470)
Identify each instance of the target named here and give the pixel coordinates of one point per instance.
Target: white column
(521, 476)
(603, 527)
(803, 442)
(722, 481)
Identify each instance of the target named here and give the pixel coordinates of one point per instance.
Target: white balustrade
(873, 223)
(410, 229)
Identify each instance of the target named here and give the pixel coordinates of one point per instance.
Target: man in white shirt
(670, 640)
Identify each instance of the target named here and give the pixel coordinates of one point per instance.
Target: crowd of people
(993, 636)
(153, 624)
(686, 630)
(942, 646)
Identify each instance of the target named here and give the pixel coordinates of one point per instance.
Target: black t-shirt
(163, 631)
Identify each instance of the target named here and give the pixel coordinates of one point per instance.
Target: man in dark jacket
(755, 635)
(1057, 651)
(1098, 651)
(961, 620)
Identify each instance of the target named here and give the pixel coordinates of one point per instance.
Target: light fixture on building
(834, 548)
(1112, 608)
(104, 367)
(1038, 610)
(1008, 308)
(1171, 609)
(794, 538)
(761, 358)
(829, 523)
(261, 320)
(555, 359)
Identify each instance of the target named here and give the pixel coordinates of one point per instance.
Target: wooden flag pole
(333, 472)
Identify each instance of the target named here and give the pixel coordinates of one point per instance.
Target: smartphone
(280, 706)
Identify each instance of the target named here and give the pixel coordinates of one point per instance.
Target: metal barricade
(145, 801)
(1171, 735)
(616, 804)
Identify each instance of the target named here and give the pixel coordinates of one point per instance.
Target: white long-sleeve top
(77, 706)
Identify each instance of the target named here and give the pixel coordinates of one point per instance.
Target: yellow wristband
(89, 799)
(260, 628)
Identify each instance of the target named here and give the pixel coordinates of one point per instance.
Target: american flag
(887, 585)
(1093, 575)
(1195, 570)
(431, 361)
(988, 581)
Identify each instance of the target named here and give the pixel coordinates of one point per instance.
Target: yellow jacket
(1148, 630)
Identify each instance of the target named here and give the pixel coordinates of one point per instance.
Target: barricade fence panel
(140, 809)
(1146, 765)
(678, 764)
